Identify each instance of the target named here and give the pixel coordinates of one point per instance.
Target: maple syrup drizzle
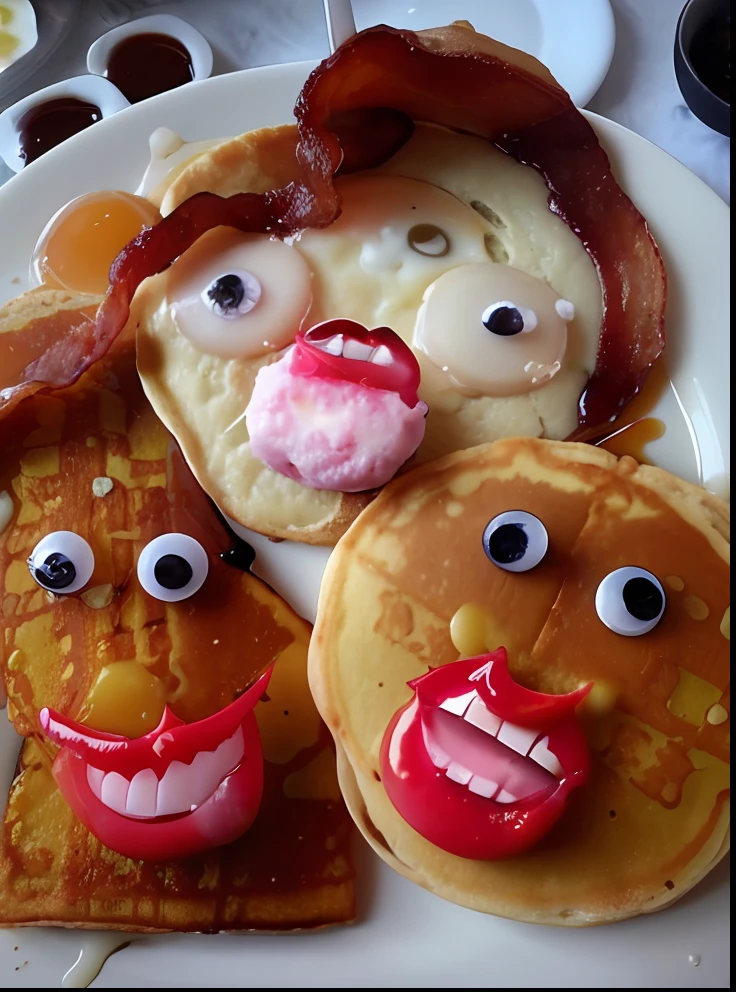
(634, 428)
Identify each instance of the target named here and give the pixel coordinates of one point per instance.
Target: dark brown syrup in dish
(43, 127)
(146, 64)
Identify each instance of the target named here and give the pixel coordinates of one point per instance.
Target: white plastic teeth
(184, 786)
(524, 741)
(357, 351)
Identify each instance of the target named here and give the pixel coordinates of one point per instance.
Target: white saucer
(573, 38)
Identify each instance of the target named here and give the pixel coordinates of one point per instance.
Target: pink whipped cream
(330, 433)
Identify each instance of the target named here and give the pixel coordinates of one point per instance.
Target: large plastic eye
(516, 541)
(500, 348)
(62, 562)
(232, 295)
(630, 601)
(172, 567)
(238, 295)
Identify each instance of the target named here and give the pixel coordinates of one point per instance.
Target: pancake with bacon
(357, 112)
(436, 228)
(90, 476)
(522, 651)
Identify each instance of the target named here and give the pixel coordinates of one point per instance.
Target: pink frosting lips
(339, 410)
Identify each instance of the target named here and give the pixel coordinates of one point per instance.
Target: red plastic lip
(172, 740)
(221, 819)
(489, 675)
(451, 813)
(401, 376)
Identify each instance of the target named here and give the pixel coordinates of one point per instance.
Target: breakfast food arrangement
(404, 328)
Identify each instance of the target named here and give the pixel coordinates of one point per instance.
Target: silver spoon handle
(340, 22)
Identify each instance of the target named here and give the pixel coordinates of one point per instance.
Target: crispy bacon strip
(455, 77)
(354, 112)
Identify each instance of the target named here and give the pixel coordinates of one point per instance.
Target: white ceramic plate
(407, 938)
(573, 38)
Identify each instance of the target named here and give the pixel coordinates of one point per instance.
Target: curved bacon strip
(60, 350)
(354, 111)
(455, 77)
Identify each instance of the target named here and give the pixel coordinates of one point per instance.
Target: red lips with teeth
(171, 793)
(344, 349)
(480, 766)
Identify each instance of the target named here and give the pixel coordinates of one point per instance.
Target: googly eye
(506, 319)
(505, 348)
(515, 541)
(237, 295)
(630, 601)
(172, 567)
(232, 294)
(62, 562)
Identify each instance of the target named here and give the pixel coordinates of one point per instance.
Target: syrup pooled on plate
(45, 126)
(146, 64)
(635, 427)
(79, 244)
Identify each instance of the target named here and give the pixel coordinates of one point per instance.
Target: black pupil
(227, 292)
(56, 572)
(508, 543)
(504, 321)
(172, 571)
(642, 598)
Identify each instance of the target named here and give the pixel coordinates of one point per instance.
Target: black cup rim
(685, 55)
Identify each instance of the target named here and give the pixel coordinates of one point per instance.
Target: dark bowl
(710, 108)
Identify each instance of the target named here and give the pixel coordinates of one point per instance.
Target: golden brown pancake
(410, 588)
(95, 459)
(201, 397)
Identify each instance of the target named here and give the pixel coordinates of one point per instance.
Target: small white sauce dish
(195, 43)
(89, 88)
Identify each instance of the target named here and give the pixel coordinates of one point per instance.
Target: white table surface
(639, 92)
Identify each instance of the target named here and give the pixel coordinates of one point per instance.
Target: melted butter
(96, 948)
(474, 631)
(170, 155)
(468, 630)
(601, 699)
(692, 698)
(126, 699)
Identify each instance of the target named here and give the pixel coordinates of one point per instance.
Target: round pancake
(409, 588)
(503, 217)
